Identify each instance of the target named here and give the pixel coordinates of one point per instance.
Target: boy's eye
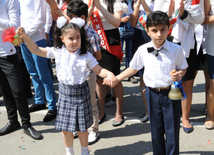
(154, 30)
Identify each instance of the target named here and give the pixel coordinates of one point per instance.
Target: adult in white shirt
(11, 84)
(33, 19)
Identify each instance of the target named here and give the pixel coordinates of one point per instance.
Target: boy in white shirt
(159, 57)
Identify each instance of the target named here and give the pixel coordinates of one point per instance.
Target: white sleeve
(118, 6)
(137, 61)
(12, 7)
(38, 19)
(49, 20)
(181, 60)
(51, 51)
(91, 61)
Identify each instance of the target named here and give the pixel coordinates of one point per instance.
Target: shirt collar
(165, 45)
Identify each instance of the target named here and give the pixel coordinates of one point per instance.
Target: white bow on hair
(79, 21)
(61, 21)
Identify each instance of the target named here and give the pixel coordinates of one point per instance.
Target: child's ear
(62, 38)
(147, 30)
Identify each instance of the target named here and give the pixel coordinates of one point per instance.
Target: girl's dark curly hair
(59, 32)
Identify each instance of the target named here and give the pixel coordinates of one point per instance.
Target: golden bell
(175, 93)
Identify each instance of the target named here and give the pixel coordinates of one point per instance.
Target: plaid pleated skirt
(74, 108)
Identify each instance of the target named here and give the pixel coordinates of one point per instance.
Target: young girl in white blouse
(72, 63)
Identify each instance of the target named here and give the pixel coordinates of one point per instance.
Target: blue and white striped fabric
(74, 109)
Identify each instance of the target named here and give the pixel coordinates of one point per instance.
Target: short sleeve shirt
(157, 69)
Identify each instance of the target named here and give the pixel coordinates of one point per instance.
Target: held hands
(175, 76)
(110, 80)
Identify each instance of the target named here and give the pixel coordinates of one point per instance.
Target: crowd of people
(167, 41)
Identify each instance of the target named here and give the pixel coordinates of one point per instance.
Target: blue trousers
(128, 49)
(164, 115)
(40, 71)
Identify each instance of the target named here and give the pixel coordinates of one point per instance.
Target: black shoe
(9, 127)
(50, 115)
(115, 123)
(37, 107)
(30, 131)
(102, 119)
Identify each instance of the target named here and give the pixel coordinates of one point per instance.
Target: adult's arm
(114, 19)
(12, 6)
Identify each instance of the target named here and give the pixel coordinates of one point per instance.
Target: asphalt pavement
(131, 138)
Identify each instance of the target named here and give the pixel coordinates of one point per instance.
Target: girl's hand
(110, 80)
(97, 3)
(175, 76)
(21, 31)
(181, 8)
(171, 8)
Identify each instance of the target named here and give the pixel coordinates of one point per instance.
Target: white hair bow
(79, 21)
(61, 21)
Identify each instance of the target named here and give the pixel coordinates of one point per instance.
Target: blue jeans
(128, 49)
(39, 69)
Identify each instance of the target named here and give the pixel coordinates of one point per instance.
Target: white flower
(61, 21)
(79, 21)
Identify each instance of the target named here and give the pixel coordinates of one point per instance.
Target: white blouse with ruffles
(71, 68)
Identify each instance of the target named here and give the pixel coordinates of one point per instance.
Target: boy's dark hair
(59, 32)
(77, 8)
(157, 18)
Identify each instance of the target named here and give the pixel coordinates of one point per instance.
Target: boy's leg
(100, 90)
(31, 68)
(172, 113)
(93, 130)
(156, 121)
(43, 69)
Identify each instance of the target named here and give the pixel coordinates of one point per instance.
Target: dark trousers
(12, 89)
(164, 115)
